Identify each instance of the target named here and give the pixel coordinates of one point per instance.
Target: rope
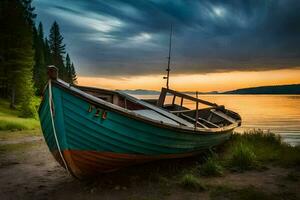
(53, 126)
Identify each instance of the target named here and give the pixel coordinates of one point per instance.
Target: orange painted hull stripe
(86, 163)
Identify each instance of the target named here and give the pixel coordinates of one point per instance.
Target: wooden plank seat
(192, 119)
(224, 116)
(209, 122)
(179, 111)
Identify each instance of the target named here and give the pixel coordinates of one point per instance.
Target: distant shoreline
(293, 89)
(225, 94)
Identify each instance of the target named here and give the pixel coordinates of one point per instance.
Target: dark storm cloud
(131, 37)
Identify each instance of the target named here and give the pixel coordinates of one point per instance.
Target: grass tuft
(255, 148)
(258, 135)
(242, 158)
(192, 183)
(211, 167)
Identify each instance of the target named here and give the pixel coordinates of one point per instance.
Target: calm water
(277, 113)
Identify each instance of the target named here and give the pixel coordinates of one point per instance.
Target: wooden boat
(90, 130)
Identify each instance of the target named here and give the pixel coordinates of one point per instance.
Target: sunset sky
(217, 45)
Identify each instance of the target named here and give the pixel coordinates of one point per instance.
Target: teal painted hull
(78, 129)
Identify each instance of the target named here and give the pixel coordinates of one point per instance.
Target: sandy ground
(30, 172)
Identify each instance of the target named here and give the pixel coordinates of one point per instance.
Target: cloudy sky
(126, 41)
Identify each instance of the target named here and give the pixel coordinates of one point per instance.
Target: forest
(25, 53)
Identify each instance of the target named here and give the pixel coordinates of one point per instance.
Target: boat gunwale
(112, 107)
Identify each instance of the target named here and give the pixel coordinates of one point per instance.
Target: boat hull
(91, 143)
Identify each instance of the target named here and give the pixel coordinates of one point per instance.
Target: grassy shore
(10, 120)
(254, 151)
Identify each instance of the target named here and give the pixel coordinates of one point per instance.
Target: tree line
(25, 53)
(50, 51)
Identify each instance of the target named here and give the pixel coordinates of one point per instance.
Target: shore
(28, 171)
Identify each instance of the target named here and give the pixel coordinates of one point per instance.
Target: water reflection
(277, 113)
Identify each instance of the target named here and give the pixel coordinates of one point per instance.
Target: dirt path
(28, 171)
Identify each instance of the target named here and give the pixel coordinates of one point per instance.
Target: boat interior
(207, 115)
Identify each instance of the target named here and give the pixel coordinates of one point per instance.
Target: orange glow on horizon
(200, 82)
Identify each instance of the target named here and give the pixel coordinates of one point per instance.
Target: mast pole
(169, 58)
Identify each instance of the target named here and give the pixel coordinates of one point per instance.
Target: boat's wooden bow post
(52, 72)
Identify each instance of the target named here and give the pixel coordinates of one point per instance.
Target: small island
(277, 89)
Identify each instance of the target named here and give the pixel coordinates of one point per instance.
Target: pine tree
(68, 69)
(57, 49)
(39, 70)
(47, 53)
(73, 73)
(29, 12)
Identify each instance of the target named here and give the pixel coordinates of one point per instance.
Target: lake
(278, 113)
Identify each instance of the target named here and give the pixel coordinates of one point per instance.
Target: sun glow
(200, 82)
